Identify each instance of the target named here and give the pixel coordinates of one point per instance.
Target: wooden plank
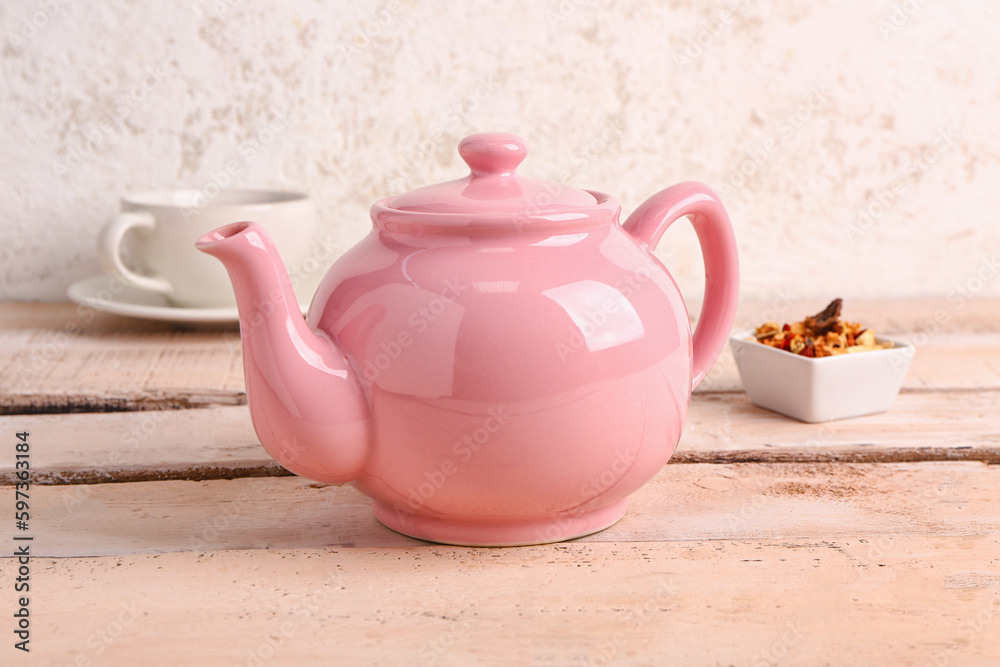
(57, 358)
(93, 366)
(895, 599)
(219, 442)
(194, 369)
(919, 426)
(91, 448)
(956, 338)
(688, 502)
(947, 362)
(30, 316)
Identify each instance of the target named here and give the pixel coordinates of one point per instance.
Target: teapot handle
(718, 246)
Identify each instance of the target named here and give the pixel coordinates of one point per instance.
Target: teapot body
(498, 362)
(522, 383)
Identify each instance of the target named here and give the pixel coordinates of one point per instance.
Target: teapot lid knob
(493, 153)
(494, 188)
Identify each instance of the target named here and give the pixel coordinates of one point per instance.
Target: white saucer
(96, 293)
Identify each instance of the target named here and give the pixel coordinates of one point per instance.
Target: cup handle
(109, 251)
(718, 246)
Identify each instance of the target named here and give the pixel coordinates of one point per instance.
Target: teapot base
(513, 533)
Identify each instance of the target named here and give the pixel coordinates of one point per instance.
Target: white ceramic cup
(159, 230)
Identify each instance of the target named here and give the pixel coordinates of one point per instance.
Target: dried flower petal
(820, 335)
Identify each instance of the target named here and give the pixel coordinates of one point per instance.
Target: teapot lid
(493, 186)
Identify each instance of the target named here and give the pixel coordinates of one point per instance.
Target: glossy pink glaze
(718, 248)
(494, 378)
(304, 398)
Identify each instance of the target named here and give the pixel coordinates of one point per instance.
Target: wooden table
(163, 534)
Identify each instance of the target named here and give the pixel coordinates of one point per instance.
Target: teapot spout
(306, 403)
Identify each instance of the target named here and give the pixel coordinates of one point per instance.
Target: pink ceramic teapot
(498, 362)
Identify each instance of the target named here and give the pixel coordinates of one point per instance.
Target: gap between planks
(219, 442)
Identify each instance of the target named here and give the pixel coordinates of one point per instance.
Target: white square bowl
(823, 389)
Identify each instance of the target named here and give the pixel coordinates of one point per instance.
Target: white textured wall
(800, 114)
